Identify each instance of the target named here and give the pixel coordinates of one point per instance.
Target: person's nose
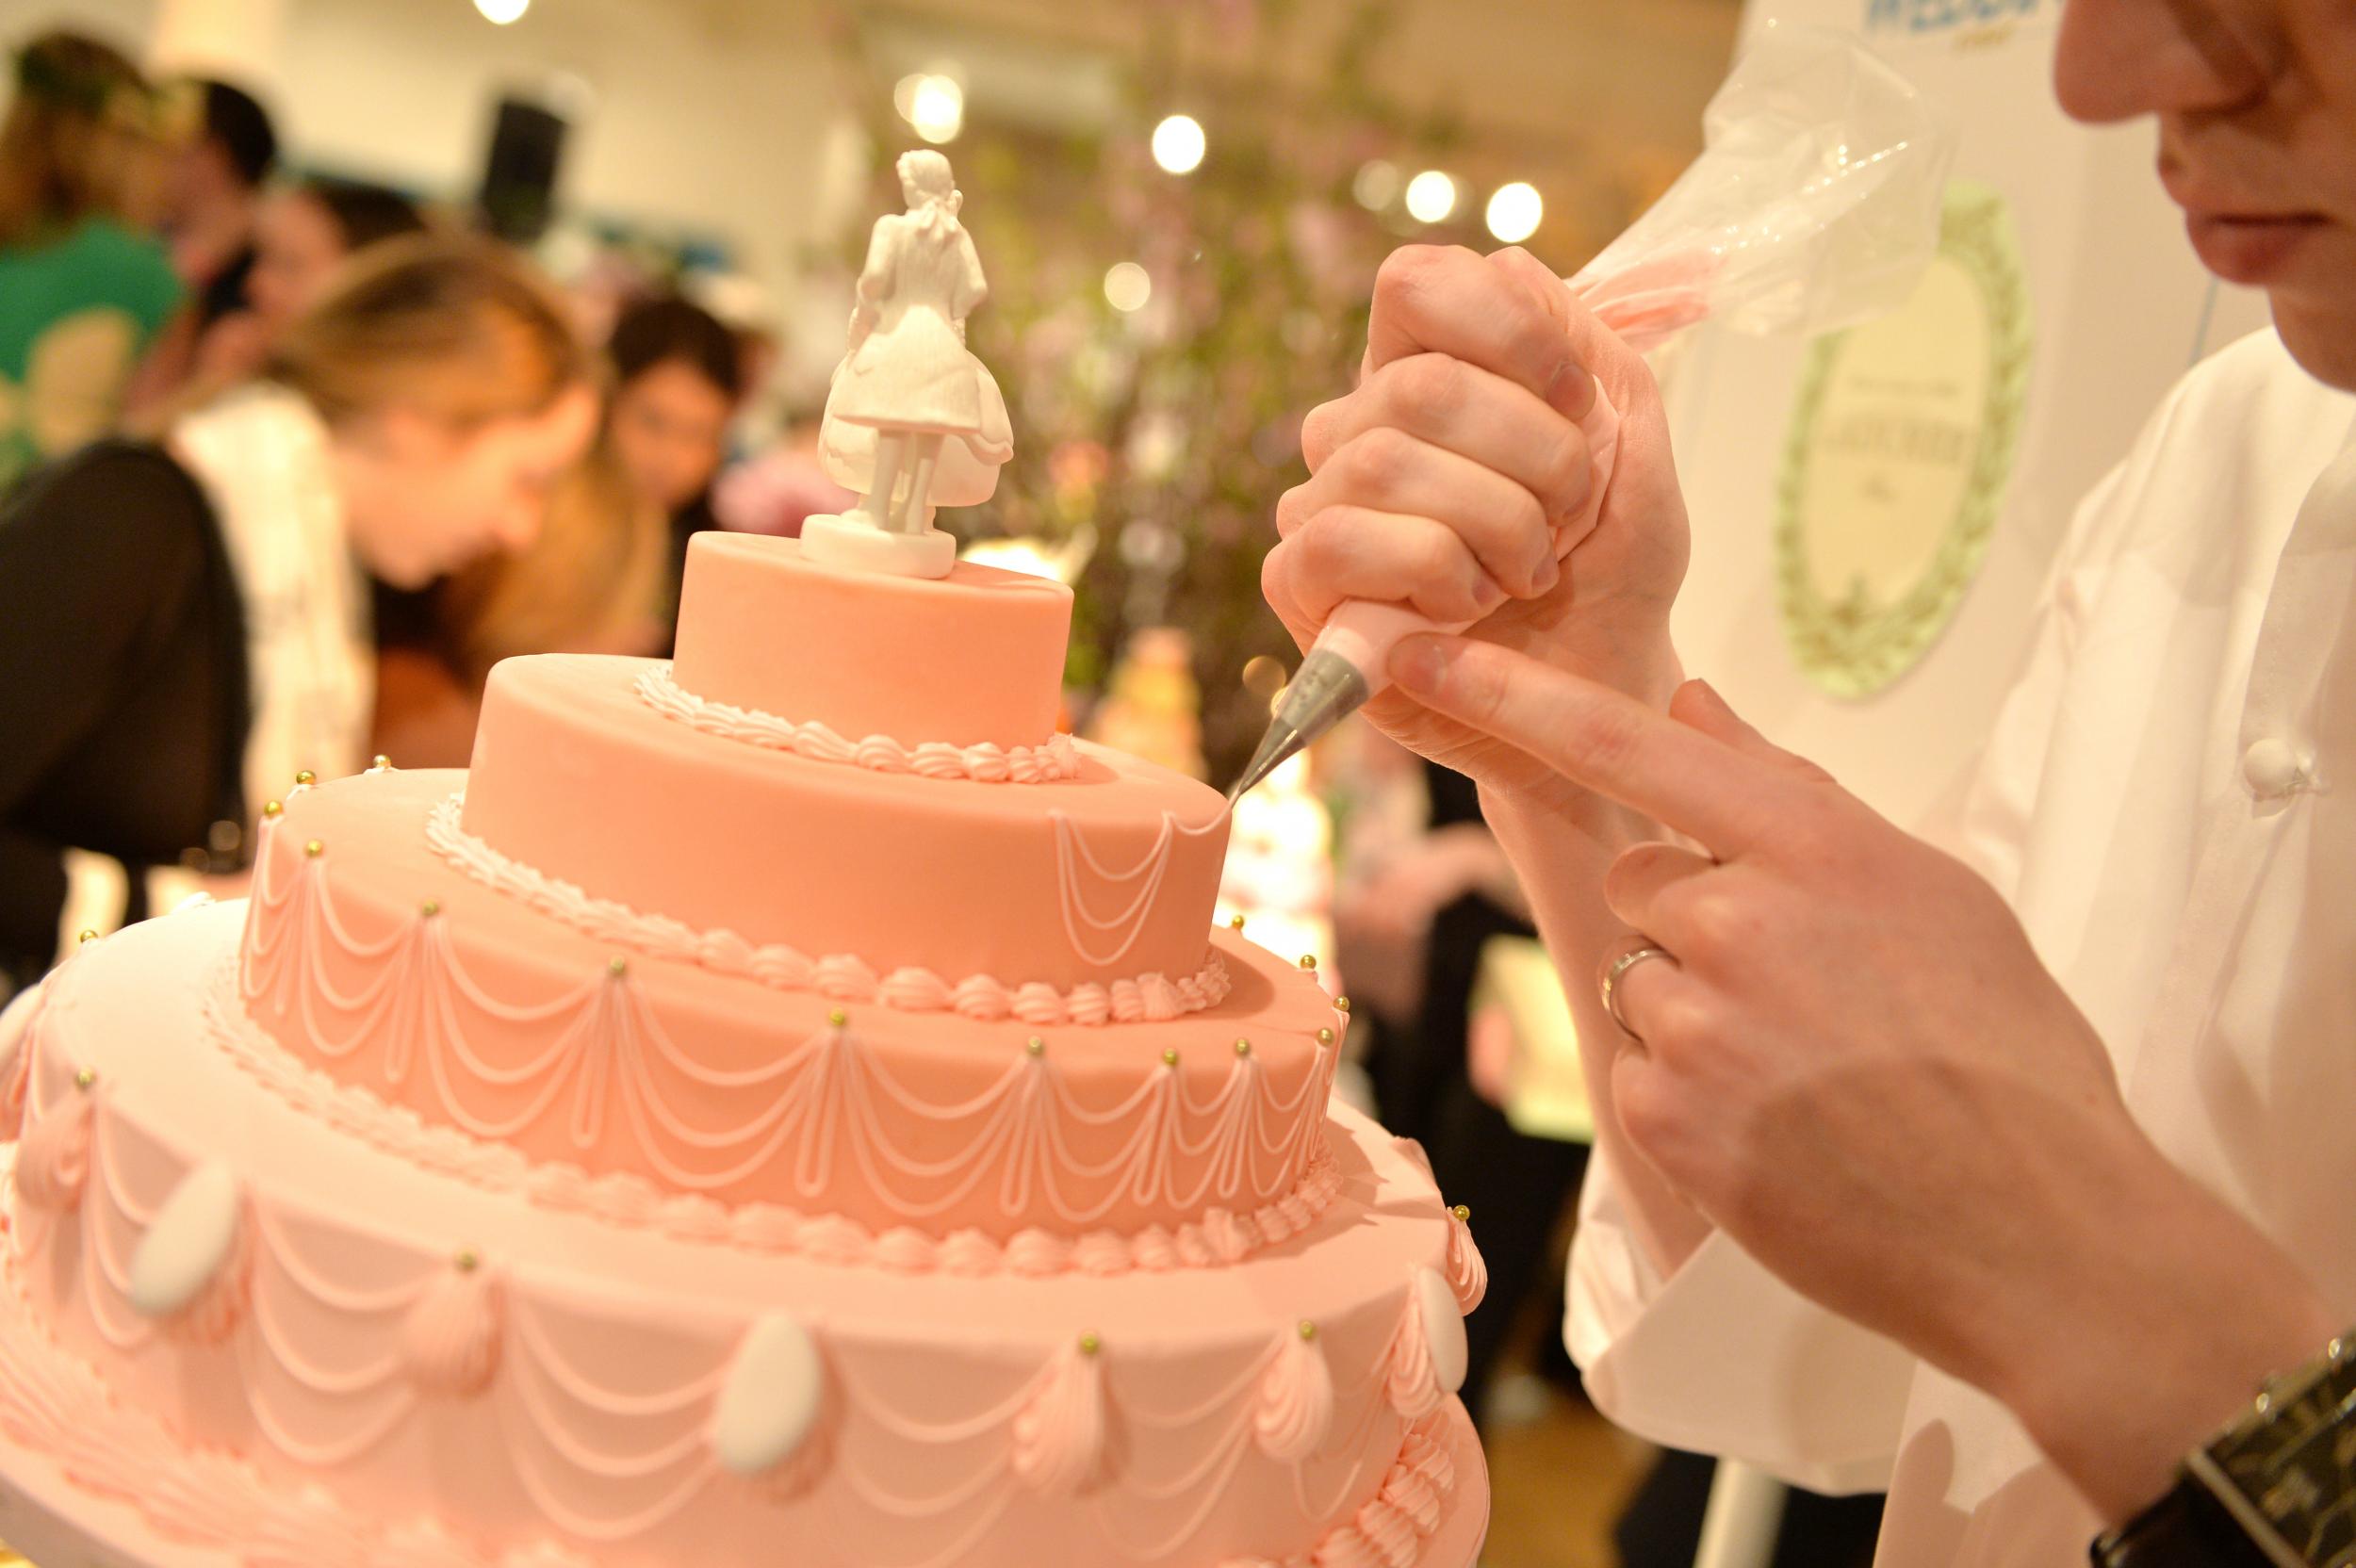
(2117, 59)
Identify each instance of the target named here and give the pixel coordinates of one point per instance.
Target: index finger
(1430, 300)
(1731, 803)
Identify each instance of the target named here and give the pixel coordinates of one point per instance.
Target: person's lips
(2250, 247)
(2240, 240)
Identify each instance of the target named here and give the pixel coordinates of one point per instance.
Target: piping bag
(1815, 205)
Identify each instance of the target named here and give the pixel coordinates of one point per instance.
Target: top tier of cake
(970, 661)
(857, 768)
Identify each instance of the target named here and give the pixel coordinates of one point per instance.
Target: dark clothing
(1662, 1527)
(687, 522)
(411, 619)
(123, 694)
(224, 294)
(1515, 1185)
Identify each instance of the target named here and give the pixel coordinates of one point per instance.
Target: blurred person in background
(677, 379)
(1410, 920)
(212, 200)
(783, 484)
(182, 625)
(216, 197)
(302, 234)
(82, 291)
(591, 583)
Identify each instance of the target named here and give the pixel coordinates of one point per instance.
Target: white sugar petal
(771, 1399)
(1444, 1329)
(190, 1239)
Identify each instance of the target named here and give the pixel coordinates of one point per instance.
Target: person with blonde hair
(82, 291)
(591, 581)
(185, 625)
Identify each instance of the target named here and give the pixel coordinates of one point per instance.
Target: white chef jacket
(2168, 798)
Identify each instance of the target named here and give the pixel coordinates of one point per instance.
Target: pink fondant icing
(1107, 875)
(1468, 1274)
(975, 656)
(1296, 1407)
(734, 1116)
(630, 1201)
(588, 1436)
(486, 1017)
(838, 978)
(127, 1469)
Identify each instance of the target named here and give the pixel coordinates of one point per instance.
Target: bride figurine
(913, 420)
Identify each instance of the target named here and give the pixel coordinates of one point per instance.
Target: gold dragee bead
(379, 761)
(431, 907)
(1325, 1036)
(85, 1078)
(1308, 1330)
(1243, 1047)
(315, 849)
(617, 967)
(468, 1260)
(1462, 1214)
(1341, 1003)
(271, 809)
(1170, 1055)
(1036, 1046)
(1234, 922)
(87, 934)
(1308, 960)
(306, 777)
(1090, 1344)
(838, 1017)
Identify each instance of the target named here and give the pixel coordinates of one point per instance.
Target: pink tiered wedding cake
(784, 1106)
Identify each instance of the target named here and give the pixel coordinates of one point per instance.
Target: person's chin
(2319, 330)
(407, 575)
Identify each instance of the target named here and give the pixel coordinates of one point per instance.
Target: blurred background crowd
(347, 347)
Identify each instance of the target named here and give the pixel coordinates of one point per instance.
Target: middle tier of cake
(828, 1109)
(583, 775)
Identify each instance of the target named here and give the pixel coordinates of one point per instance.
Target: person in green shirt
(82, 291)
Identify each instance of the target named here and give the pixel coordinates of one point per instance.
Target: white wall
(689, 125)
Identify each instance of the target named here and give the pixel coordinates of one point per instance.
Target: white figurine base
(833, 540)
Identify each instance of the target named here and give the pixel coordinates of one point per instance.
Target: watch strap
(2186, 1528)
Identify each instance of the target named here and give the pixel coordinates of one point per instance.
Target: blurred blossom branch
(1171, 428)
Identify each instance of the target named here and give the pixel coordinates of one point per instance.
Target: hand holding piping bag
(1503, 417)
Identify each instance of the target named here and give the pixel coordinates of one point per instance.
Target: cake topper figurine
(913, 420)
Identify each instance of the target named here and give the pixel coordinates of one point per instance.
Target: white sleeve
(1724, 1358)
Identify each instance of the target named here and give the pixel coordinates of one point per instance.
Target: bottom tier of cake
(63, 1510)
(241, 1323)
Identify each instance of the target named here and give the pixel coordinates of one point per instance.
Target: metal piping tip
(1327, 689)
(1277, 747)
